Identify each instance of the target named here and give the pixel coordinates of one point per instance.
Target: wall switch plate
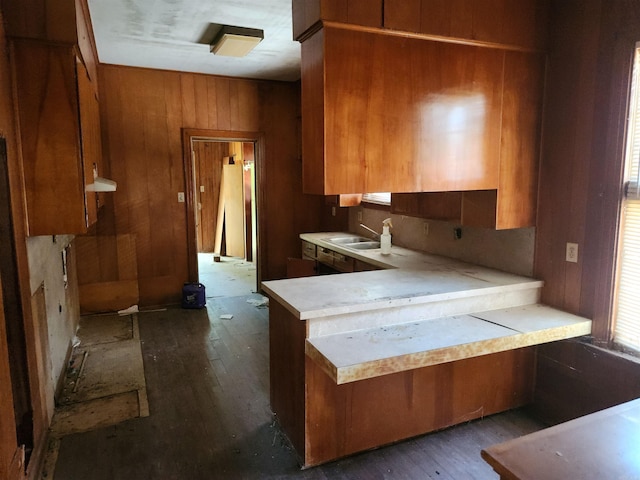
(201, 188)
(572, 252)
(333, 211)
(359, 216)
(180, 197)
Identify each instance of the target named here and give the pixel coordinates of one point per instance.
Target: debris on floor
(262, 302)
(226, 316)
(128, 311)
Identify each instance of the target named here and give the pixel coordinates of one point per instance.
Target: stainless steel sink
(348, 239)
(355, 242)
(370, 245)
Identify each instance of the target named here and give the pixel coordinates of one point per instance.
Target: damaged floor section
(104, 384)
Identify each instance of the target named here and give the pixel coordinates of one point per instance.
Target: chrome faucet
(371, 230)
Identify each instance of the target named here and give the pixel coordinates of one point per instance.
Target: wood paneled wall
(591, 50)
(11, 457)
(143, 112)
(590, 57)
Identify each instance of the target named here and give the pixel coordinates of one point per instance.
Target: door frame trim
(258, 138)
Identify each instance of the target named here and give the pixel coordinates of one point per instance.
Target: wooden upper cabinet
(388, 113)
(54, 21)
(60, 137)
(383, 112)
(307, 14)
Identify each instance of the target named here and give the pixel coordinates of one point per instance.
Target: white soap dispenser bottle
(385, 238)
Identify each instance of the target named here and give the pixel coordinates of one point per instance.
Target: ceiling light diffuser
(236, 41)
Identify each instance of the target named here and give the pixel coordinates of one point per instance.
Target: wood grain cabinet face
(388, 113)
(60, 137)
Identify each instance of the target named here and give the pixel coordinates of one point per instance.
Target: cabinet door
(48, 111)
(408, 114)
(90, 137)
(445, 206)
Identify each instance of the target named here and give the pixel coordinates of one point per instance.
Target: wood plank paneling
(143, 114)
(591, 48)
(344, 419)
(567, 156)
(14, 355)
(108, 273)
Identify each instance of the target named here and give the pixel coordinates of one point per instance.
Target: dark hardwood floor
(208, 390)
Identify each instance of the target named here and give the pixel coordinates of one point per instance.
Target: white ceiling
(174, 35)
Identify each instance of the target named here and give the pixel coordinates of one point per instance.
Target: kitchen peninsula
(364, 359)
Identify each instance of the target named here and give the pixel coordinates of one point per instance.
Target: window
(627, 311)
(380, 198)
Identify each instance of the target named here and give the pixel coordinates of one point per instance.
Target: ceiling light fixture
(236, 41)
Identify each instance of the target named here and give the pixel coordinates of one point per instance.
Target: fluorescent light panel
(236, 41)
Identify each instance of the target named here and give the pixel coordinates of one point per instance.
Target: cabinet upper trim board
(422, 36)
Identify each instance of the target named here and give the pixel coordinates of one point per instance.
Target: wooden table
(603, 445)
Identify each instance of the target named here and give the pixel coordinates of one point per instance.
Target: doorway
(223, 202)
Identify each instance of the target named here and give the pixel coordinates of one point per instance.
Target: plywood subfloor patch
(105, 383)
(99, 329)
(103, 370)
(96, 413)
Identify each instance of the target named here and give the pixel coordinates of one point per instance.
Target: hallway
(208, 391)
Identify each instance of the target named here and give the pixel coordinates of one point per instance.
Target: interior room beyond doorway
(226, 227)
(225, 189)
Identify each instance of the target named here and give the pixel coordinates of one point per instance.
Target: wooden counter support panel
(286, 372)
(344, 419)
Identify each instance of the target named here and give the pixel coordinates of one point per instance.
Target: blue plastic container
(193, 295)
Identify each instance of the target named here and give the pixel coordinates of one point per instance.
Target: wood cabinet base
(326, 421)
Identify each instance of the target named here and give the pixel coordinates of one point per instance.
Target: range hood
(101, 185)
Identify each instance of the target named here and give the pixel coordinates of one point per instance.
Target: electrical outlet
(359, 216)
(333, 211)
(201, 188)
(180, 197)
(572, 252)
(457, 233)
(425, 229)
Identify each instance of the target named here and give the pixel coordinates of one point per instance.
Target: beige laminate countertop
(410, 278)
(421, 310)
